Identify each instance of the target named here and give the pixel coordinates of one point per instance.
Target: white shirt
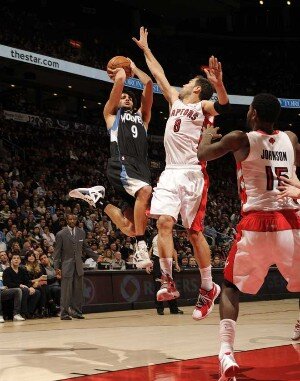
(183, 132)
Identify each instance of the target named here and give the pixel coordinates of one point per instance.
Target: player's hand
(293, 181)
(132, 67)
(214, 71)
(143, 41)
(119, 72)
(288, 188)
(211, 131)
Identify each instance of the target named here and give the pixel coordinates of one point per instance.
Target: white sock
(227, 336)
(166, 266)
(206, 279)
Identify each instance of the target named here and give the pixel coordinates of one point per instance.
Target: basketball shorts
(127, 176)
(181, 190)
(264, 239)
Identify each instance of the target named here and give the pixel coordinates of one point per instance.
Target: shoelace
(202, 300)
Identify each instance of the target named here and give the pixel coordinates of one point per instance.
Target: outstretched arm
(214, 74)
(110, 109)
(169, 92)
(147, 95)
(232, 142)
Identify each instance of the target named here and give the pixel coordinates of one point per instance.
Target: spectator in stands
(17, 277)
(4, 262)
(193, 263)
(48, 235)
(184, 262)
(53, 284)
(216, 262)
(6, 294)
(38, 281)
(118, 263)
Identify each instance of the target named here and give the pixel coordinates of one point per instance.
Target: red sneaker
(167, 290)
(206, 301)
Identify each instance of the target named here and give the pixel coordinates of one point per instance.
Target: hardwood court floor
(51, 349)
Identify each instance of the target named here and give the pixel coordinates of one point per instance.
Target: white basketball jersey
(270, 156)
(183, 131)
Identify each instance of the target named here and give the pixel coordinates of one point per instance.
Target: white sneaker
(18, 317)
(141, 256)
(90, 195)
(296, 333)
(1, 319)
(228, 368)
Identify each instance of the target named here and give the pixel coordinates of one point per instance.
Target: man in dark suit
(69, 248)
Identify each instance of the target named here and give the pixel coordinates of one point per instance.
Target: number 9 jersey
(270, 157)
(128, 169)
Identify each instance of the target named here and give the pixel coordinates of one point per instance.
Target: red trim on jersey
(275, 132)
(261, 221)
(242, 190)
(198, 223)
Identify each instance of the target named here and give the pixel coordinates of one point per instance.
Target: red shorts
(264, 239)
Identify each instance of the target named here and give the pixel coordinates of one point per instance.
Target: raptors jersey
(270, 156)
(128, 136)
(183, 131)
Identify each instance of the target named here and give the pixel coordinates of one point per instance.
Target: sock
(206, 279)
(227, 336)
(166, 266)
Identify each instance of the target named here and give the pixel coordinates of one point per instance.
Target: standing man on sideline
(157, 280)
(68, 252)
(183, 185)
(128, 170)
(269, 224)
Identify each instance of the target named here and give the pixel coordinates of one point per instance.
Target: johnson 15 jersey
(270, 157)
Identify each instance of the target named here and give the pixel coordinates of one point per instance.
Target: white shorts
(181, 189)
(265, 239)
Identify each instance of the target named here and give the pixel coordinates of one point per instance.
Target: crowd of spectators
(38, 31)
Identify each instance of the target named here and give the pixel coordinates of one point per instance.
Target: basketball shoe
(296, 333)
(90, 195)
(206, 302)
(167, 290)
(228, 368)
(141, 256)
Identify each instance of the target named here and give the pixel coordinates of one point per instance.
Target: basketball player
(127, 169)
(269, 232)
(291, 188)
(182, 187)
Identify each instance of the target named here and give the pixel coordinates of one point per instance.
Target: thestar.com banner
(101, 75)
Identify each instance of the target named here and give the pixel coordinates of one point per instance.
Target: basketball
(120, 61)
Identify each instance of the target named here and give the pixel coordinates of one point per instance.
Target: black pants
(29, 302)
(14, 294)
(172, 304)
